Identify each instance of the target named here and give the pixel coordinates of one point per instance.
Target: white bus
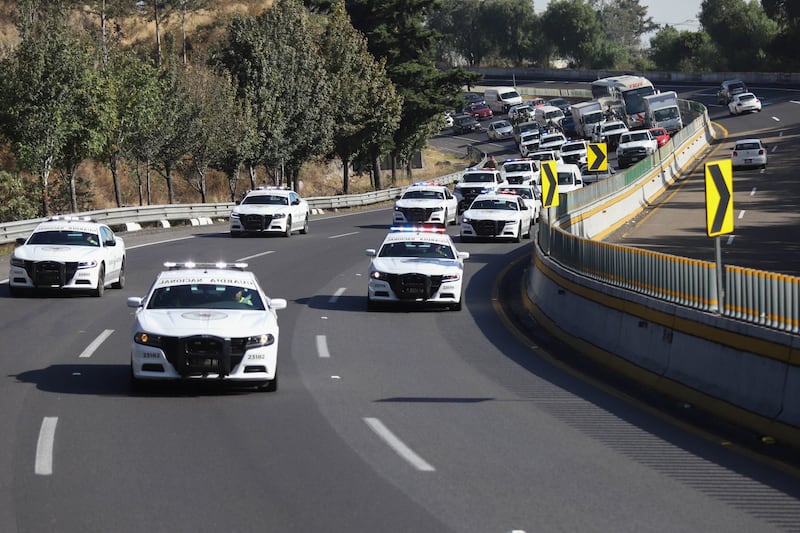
(628, 92)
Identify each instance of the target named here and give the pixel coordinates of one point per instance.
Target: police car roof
(405, 234)
(61, 223)
(206, 273)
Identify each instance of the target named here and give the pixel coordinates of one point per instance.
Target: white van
(569, 178)
(548, 114)
(500, 99)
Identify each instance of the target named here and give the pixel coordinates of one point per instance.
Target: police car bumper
(51, 275)
(381, 291)
(490, 229)
(256, 365)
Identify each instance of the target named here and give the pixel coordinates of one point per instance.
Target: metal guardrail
(10, 231)
(754, 296)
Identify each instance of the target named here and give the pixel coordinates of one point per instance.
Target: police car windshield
(506, 205)
(517, 167)
(68, 238)
(522, 192)
(424, 195)
(205, 296)
(478, 177)
(429, 250)
(266, 199)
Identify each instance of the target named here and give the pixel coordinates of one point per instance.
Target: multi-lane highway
(393, 421)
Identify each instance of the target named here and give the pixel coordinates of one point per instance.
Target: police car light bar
(173, 265)
(417, 229)
(71, 218)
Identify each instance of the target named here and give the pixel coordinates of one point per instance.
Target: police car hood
(219, 322)
(427, 203)
(424, 265)
(57, 252)
(491, 214)
(260, 209)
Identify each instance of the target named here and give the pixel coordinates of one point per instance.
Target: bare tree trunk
(345, 175)
(183, 30)
(73, 193)
(376, 165)
(147, 182)
(158, 31)
(252, 171)
(113, 165)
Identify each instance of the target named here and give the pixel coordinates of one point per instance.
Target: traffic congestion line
(322, 347)
(44, 446)
(398, 446)
(95, 344)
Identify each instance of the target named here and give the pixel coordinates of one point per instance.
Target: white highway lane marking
(753, 192)
(344, 235)
(159, 242)
(322, 346)
(741, 214)
(398, 446)
(730, 240)
(776, 119)
(256, 255)
(336, 295)
(44, 446)
(96, 343)
(774, 149)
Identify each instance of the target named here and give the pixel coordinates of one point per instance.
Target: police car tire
(101, 283)
(456, 306)
(120, 283)
(530, 230)
(519, 233)
(304, 231)
(288, 232)
(270, 385)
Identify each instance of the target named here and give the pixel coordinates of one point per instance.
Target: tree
(18, 199)
(574, 30)
(625, 21)
(397, 32)
(786, 13)
(43, 77)
(684, 51)
(366, 109)
(741, 30)
(211, 98)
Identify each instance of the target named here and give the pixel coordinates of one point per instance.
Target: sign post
(719, 213)
(548, 178)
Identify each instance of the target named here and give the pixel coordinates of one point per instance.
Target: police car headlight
(451, 277)
(379, 275)
(279, 215)
(255, 341)
(435, 209)
(466, 220)
(17, 262)
(396, 208)
(146, 339)
(234, 215)
(87, 264)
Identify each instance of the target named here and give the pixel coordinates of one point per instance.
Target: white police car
(68, 253)
(426, 203)
(270, 210)
(206, 321)
(528, 193)
(417, 266)
(500, 216)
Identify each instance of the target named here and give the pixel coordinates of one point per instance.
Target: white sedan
(499, 129)
(205, 321)
(68, 253)
(528, 192)
(270, 210)
(743, 103)
(749, 153)
(500, 216)
(424, 203)
(416, 266)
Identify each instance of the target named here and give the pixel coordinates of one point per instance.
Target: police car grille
(417, 214)
(200, 354)
(256, 222)
(488, 227)
(414, 286)
(515, 180)
(50, 273)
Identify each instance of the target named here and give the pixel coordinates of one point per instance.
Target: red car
(660, 135)
(480, 111)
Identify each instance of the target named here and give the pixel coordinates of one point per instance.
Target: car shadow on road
(114, 380)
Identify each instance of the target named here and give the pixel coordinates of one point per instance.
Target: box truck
(586, 115)
(662, 111)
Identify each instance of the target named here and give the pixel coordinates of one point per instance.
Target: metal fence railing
(754, 296)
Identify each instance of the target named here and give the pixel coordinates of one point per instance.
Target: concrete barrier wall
(746, 374)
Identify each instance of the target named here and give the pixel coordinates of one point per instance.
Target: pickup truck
(634, 146)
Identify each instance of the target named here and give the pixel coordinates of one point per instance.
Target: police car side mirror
(370, 252)
(20, 240)
(277, 303)
(135, 301)
(110, 242)
(463, 255)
